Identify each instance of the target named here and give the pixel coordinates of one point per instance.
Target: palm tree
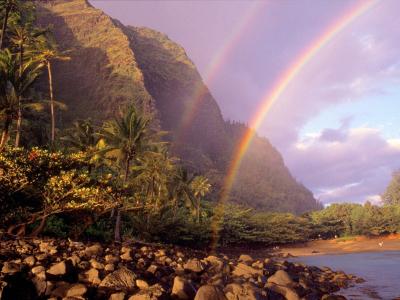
(125, 137)
(23, 36)
(179, 189)
(200, 187)
(47, 55)
(14, 83)
(7, 6)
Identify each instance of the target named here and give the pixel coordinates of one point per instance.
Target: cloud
(354, 167)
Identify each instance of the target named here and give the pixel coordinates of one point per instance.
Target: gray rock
(122, 279)
(182, 289)
(209, 292)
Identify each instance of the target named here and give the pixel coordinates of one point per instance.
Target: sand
(343, 246)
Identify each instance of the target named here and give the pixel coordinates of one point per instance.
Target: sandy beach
(342, 246)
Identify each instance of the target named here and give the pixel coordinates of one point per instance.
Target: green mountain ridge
(113, 65)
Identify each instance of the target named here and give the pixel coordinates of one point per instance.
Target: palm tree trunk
(4, 27)
(127, 165)
(53, 120)
(6, 131)
(117, 232)
(19, 120)
(198, 211)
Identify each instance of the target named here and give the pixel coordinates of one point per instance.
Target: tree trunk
(198, 211)
(4, 28)
(38, 230)
(53, 120)
(117, 232)
(6, 131)
(19, 120)
(127, 165)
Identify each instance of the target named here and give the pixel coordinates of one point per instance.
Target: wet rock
(210, 292)
(122, 279)
(182, 289)
(194, 265)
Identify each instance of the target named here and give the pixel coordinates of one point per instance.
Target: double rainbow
(271, 96)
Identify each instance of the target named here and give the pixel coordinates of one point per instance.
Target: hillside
(113, 64)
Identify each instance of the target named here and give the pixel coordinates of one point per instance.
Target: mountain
(113, 65)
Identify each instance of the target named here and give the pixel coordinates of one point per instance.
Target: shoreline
(356, 244)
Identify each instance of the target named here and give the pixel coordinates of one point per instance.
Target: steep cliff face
(113, 64)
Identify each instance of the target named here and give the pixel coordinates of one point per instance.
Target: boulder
(96, 265)
(210, 292)
(30, 261)
(244, 258)
(285, 291)
(117, 296)
(94, 250)
(152, 293)
(194, 265)
(10, 268)
(122, 279)
(109, 267)
(235, 291)
(246, 271)
(281, 277)
(92, 276)
(76, 290)
(141, 284)
(182, 289)
(64, 268)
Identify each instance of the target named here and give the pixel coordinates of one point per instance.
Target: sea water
(381, 270)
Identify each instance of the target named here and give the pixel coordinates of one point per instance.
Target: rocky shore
(63, 269)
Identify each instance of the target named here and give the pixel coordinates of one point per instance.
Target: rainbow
(271, 96)
(217, 61)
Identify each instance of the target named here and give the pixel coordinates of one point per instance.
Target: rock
(333, 297)
(40, 285)
(182, 289)
(10, 268)
(153, 293)
(30, 261)
(244, 258)
(60, 290)
(94, 250)
(75, 260)
(122, 279)
(152, 269)
(285, 291)
(109, 267)
(92, 276)
(17, 286)
(281, 278)
(209, 292)
(117, 296)
(246, 271)
(62, 268)
(42, 256)
(141, 284)
(47, 247)
(37, 269)
(235, 291)
(126, 256)
(216, 263)
(76, 290)
(194, 265)
(111, 259)
(95, 264)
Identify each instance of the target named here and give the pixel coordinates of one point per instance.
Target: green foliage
(392, 193)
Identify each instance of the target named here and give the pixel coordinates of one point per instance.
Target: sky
(337, 124)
